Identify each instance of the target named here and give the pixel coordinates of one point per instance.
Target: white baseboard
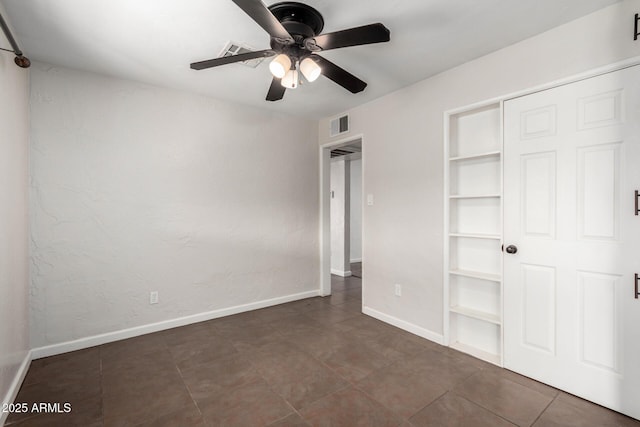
(409, 327)
(341, 273)
(82, 343)
(355, 260)
(10, 397)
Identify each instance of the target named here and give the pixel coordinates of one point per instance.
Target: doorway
(341, 214)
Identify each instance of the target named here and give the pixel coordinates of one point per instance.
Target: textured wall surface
(137, 189)
(14, 282)
(403, 155)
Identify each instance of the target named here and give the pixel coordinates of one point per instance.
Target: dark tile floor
(316, 362)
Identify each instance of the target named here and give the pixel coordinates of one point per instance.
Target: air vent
(339, 125)
(234, 48)
(347, 150)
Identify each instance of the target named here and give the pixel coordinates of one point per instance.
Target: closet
(557, 189)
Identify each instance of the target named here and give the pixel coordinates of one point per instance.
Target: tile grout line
(486, 409)
(491, 411)
(257, 369)
(545, 409)
(188, 390)
(429, 404)
(413, 370)
(297, 347)
(350, 384)
(391, 410)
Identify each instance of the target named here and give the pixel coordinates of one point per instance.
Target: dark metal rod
(636, 34)
(637, 291)
(7, 33)
(637, 195)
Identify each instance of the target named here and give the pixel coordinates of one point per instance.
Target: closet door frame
(447, 116)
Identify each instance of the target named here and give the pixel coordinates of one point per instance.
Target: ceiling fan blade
(340, 76)
(231, 59)
(263, 17)
(276, 90)
(367, 34)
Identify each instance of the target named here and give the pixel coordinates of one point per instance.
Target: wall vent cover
(339, 125)
(347, 150)
(235, 48)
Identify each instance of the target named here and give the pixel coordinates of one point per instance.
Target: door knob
(511, 249)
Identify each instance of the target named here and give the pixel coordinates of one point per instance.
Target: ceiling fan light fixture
(280, 65)
(290, 80)
(296, 36)
(310, 69)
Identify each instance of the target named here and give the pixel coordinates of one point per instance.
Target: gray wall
(14, 281)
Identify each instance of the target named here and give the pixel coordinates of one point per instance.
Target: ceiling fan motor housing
(302, 19)
(302, 22)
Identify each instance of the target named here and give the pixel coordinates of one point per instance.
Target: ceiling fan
(295, 41)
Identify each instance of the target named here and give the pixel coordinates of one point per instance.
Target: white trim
(355, 260)
(324, 226)
(344, 141)
(108, 337)
(341, 273)
(10, 397)
(445, 243)
(500, 361)
(409, 327)
(616, 66)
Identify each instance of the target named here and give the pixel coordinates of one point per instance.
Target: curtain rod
(20, 60)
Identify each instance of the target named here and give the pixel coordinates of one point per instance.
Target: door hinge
(636, 284)
(636, 202)
(635, 31)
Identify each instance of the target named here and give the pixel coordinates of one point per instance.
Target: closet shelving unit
(473, 231)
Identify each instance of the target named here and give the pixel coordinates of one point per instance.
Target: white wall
(14, 290)
(355, 213)
(339, 212)
(137, 188)
(404, 154)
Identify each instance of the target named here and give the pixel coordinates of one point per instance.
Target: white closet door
(571, 165)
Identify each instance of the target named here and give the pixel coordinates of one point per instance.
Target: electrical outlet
(398, 290)
(153, 297)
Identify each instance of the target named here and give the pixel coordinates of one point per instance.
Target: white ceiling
(154, 41)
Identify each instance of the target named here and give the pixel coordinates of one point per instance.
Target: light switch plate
(369, 199)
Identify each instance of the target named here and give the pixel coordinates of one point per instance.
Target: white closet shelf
(473, 189)
(475, 196)
(476, 236)
(476, 156)
(477, 275)
(476, 314)
(486, 356)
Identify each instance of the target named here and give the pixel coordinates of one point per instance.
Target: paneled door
(572, 238)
